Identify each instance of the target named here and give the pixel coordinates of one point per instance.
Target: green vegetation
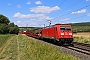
(10, 52)
(29, 28)
(34, 50)
(81, 24)
(81, 27)
(4, 38)
(22, 47)
(6, 27)
(82, 37)
(84, 40)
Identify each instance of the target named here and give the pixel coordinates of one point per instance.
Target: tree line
(81, 24)
(81, 27)
(6, 27)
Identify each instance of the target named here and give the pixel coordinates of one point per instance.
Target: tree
(13, 29)
(4, 20)
(4, 29)
(6, 26)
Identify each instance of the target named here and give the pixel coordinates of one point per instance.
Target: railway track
(78, 50)
(76, 46)
(80, 47)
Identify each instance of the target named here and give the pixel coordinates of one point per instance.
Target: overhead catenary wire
(70, 12)
(78, 17)
(70, 6)
(59, 5)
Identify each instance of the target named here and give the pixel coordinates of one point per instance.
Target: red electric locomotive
(61, 33)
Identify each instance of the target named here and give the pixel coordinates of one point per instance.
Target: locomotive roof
(62, 24)
(54, 25)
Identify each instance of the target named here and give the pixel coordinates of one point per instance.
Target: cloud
(88, 14)
(87, 0)
(18, 21)
(28, 2)
(30, 23)
(38, 2)
(9, 4)
(65, 19)
(79, 12)
(31, 16)
(33, 23)
(44, 9)
(19, 6)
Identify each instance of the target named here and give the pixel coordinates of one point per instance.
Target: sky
(36, 13)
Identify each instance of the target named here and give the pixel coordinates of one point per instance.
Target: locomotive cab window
(65, 28)
(62, 27)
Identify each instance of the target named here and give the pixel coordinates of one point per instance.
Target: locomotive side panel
(48, 33)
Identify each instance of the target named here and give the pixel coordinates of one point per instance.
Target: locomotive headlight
(70, 33)
(62, 33)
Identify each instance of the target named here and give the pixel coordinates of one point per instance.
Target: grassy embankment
(4, 38)
(22, 47)
(83, 37)
(35, 50)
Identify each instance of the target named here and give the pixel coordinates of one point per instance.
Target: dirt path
(18, 48)
(2, 49)
(10, 51)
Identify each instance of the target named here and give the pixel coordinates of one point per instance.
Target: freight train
(58, 33)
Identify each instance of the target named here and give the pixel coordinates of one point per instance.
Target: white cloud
(20, 24)
(9, 4)
(31, 16)
(30, 23)
(33, 19)
(28, 2)
(87, 0)
(44, 9)
(88, 14)
(79, 12)
(18, 21)
(19, 6)
(38, 2)
(33, 23)
(65, 19)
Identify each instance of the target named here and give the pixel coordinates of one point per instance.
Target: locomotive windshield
(65, 28)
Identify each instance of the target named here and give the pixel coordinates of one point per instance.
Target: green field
(4, 38)
(21, 47)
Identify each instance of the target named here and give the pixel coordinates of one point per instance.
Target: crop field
(21, 47)
(83, 37)
(4, 38)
